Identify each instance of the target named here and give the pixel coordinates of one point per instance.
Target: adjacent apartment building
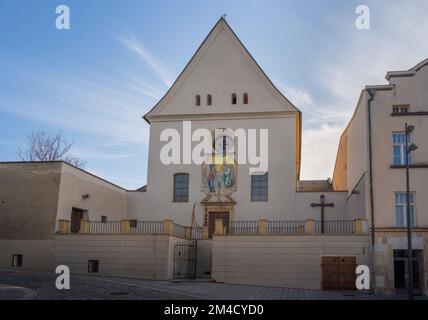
(370, 166)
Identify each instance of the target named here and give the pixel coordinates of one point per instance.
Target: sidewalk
(16, 293)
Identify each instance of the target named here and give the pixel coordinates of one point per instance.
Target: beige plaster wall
(158, 200)
(147, 257)
(105, 198)
(305, 211)
(38, 255)
(281, 261)
(28, 200)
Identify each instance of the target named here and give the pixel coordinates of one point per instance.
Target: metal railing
(285, 227)
(196, 233)
(335, 227)
(178, 230)
(107, 227)
(244, 227)
(148, 228)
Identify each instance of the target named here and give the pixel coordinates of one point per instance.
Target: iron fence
(104, 227)
(285, 227)
(244, 227)
(196, 233)
(147, 227)
(178, 230)
(335, 227)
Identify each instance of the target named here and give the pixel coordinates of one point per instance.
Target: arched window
(181, 187)
(209, 100)
(245, 98)
(234, 98)
(198, 100)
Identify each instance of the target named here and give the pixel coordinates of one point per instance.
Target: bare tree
(42, 146)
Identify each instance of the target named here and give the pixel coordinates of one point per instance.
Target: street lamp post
(409, 149)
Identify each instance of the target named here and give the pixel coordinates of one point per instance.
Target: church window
(234, 100)
(259, 188)
(245, 98)
(198, 100)
(209, 100)
(181, 187)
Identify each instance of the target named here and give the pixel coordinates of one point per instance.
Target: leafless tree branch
(42, 146)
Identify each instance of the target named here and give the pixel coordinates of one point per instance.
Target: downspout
(372, 215)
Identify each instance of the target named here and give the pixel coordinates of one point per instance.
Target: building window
(401, 209)
(234, 100)
(181, 187)
(259, 188)
(198, 100)
(209, 100)
(401, 109)
(93, 266)
(245, 98)
(399, 149)
(104, 218)
(17, 260)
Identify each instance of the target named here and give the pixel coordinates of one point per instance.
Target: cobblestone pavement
(109, 288)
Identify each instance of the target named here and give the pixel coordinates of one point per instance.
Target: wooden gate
(185, 260)
(338, 273)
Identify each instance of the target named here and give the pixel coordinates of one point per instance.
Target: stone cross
(322, 205)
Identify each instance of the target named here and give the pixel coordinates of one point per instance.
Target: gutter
(371, 90)
(373, 260)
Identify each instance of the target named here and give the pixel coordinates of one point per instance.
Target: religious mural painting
(219, 175)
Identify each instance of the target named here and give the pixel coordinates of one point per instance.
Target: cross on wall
(322, 205)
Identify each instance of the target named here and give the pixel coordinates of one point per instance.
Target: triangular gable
(221, 51)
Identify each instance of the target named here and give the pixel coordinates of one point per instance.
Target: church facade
(224, 190)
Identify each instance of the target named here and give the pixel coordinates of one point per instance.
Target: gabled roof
(220, 26)
(409, 73)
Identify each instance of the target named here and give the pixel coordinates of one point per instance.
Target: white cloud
(319, 147)
(107, 108)
(135, 45)
(396, 41)
(85, 154)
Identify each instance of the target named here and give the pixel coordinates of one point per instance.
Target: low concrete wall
(281, 261)
(145, 257)
(37, 255)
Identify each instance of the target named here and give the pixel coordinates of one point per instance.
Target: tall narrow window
(234, 98)
(198, 100)
(259, 188)
(401, 209)
(245, 98)
(209, 100)
(181, 187)
(399, 148)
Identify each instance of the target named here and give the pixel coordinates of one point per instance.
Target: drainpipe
(372, 216)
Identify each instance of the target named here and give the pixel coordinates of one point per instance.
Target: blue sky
(95, 81)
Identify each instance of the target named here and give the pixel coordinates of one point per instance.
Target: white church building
(239, 214)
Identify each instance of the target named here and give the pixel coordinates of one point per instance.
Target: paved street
(39, 285)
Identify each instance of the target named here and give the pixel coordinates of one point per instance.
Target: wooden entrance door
(213, 216)
(338, 273)
(76, 216)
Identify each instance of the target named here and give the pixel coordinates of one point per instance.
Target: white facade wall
(282, 261)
